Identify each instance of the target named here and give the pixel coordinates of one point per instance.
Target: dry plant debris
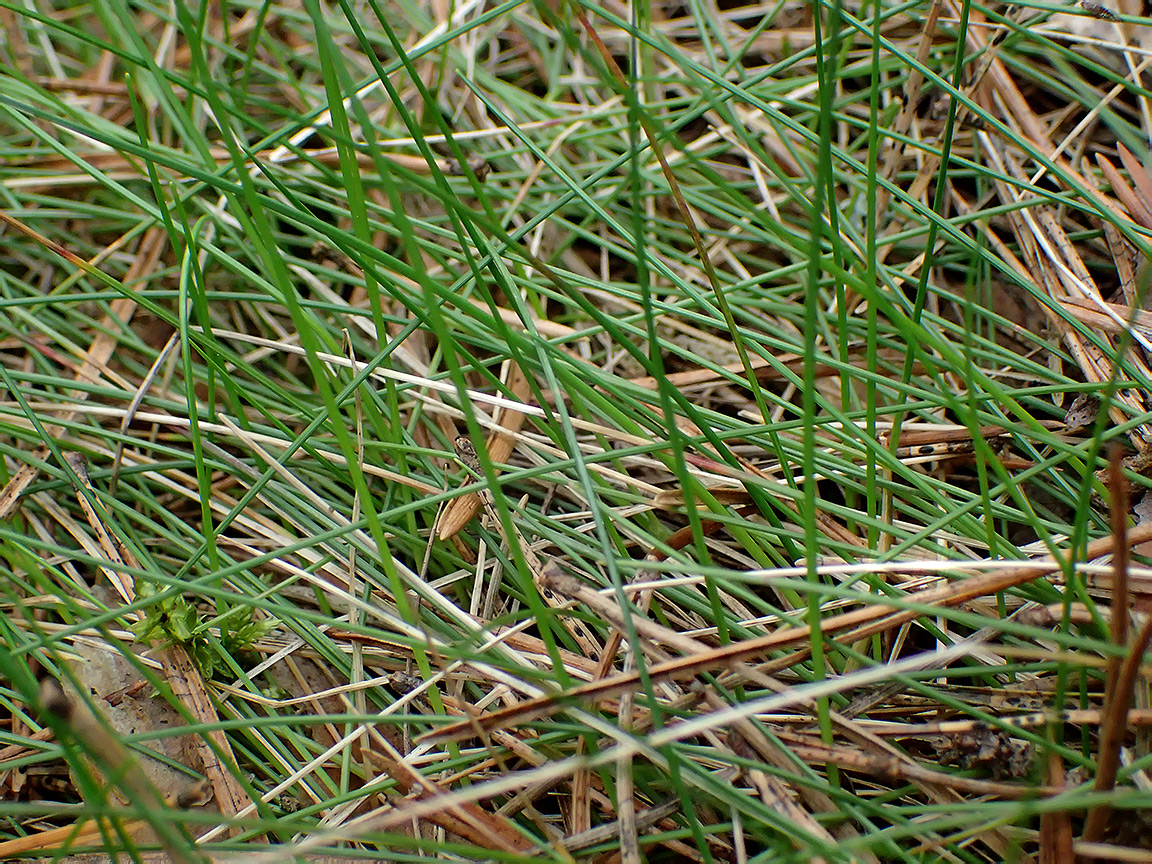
(573, 431)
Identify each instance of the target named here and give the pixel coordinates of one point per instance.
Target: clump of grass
(572, 431)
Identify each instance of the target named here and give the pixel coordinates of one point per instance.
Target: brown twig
(858, 623)
(1121, 683)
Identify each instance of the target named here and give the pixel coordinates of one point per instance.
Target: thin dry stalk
(858, 624)
(1121, 683)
